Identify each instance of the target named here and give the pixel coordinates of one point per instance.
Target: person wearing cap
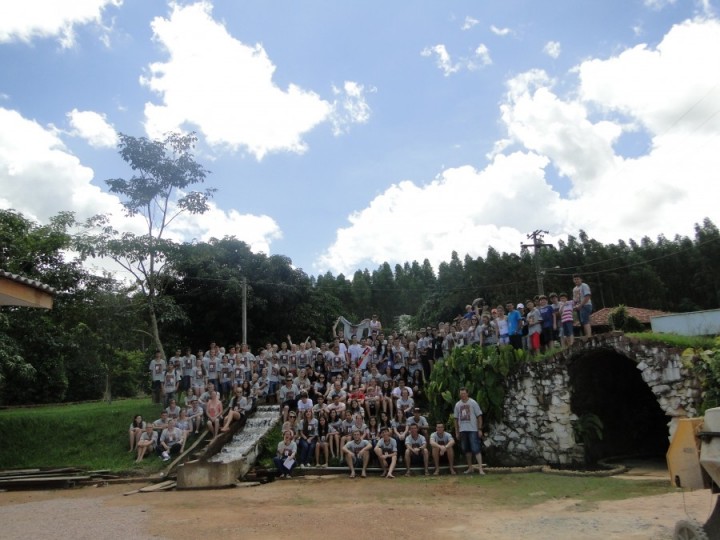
(514, 324)
(288, 395)
(420, 421)
(357, 453)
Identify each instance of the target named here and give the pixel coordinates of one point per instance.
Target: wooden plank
(167, 484)
(18, 472)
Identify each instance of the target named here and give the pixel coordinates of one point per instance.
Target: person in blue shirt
(514, 322)
(548, 323)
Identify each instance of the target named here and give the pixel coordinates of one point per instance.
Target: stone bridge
(638, 390)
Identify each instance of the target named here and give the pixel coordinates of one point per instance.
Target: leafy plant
(588, 430)
(482, 371)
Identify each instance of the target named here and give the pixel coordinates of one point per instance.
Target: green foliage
(619, 319)
(482, 371)
(705, 363)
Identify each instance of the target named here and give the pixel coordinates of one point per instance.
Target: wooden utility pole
(244, 310)
(537, 244)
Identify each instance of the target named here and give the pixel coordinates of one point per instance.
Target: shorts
(584, 313)
(534, 341)
(567, 328)
(470, 440)
(416, 460)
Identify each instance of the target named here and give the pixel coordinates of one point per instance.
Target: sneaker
(165, 455)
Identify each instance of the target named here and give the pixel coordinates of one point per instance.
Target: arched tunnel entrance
(608, 385)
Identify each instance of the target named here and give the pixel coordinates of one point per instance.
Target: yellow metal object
(683, 456)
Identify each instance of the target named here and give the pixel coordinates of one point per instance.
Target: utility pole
(537, 244)
(244, 310)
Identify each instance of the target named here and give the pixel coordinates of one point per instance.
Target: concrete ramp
(223, 468)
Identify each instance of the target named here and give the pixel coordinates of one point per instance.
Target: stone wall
(537, 421)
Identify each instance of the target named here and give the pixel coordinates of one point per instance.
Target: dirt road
(417, 508)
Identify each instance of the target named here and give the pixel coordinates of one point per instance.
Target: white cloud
(469, 22)
(482, 53)
(479, 58)
(671, 92)
(442, 59)
(256, 231)
(29, 19)
(464, 210)
(349, 107)
(92, 127)
(40, 177)
(658, 4)
(224, 88)
(552, 49)
(499, 31)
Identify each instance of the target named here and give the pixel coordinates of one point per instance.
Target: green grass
(674, 340)
(528, 489)
(90, 436)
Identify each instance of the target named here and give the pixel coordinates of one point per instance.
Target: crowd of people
(354, 400)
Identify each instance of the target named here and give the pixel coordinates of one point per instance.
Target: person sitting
(162, 422)
(136, 429)
(386, 452)
(147, 443)
(416, 451)
(286, 451)
(421, 422)
(171, 441)
(184, 424)
(357, 453)
(195, 414)
(238, 407)
(213, 410)
(441, 443)
(173, 409)
(323, 441)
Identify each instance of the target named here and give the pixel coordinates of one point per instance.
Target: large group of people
(354, 399)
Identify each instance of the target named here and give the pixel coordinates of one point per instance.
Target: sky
(347, 134)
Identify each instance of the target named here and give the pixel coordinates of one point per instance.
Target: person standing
(157, 370)
(514, 323)
(468, 429)
(582, 298)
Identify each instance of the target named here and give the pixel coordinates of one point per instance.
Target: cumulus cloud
(669, 93)
(552, 49)
(469, 22)
(479, 58)
(93, 127)
(30, 19)
(40, 177)
(224, 89)
(499, 31)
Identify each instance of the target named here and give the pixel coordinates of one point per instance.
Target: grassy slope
(88, 435)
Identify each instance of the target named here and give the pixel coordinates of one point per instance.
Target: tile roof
(27, 281)
(600, 317)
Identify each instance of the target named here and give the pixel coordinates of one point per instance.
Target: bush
(482, 371)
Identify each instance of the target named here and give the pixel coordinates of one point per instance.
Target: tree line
(97, 339)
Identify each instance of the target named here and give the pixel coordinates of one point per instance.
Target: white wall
(695, 323)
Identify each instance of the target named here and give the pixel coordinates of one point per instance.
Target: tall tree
(163, 170)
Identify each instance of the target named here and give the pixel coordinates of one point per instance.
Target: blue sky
(345, 134)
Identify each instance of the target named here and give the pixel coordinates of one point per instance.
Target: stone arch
(607, 384)
(538, 415)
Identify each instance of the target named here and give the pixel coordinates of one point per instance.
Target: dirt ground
(313, 507)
